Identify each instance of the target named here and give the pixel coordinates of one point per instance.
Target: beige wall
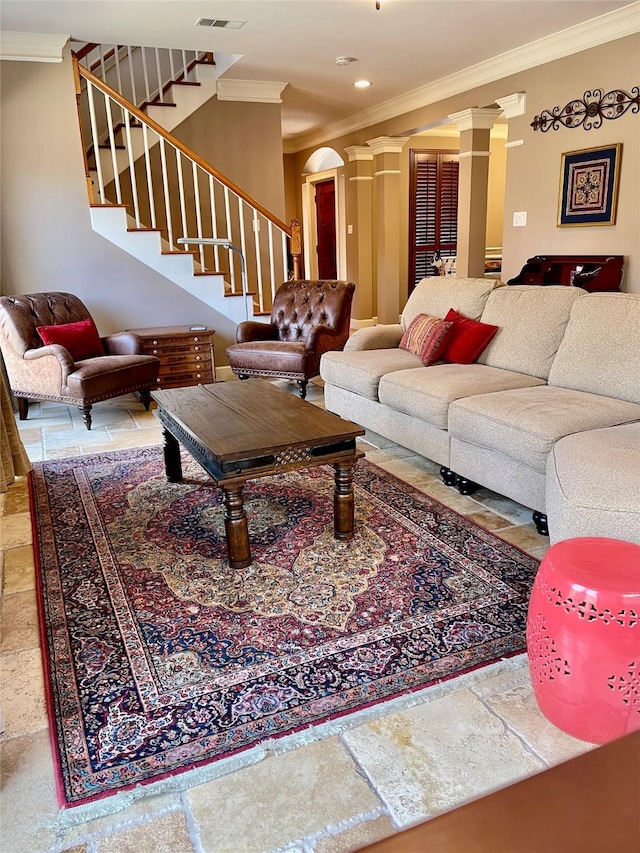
(46, 238)
(244, 142)
(533, 168)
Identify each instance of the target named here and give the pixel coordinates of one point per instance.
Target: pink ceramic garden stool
(583, 637)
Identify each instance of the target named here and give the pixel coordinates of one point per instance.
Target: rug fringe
(117, 802)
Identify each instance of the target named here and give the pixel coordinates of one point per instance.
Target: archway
(323, 204)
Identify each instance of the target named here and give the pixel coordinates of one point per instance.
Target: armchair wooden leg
(23, 408)
(86, 415)
(145, 398)
(302, 384)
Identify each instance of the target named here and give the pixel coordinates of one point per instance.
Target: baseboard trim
(224, 373)
(363, 324)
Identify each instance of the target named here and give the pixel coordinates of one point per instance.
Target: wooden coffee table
(240, 431)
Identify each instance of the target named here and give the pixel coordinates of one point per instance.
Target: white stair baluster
(112, 146)
(147, 165)
(165, 187)
(95, 140)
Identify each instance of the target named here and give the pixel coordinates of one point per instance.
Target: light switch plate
(519, 218)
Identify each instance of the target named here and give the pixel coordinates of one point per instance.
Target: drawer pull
(198, 376)
(154, 351)
(196, 348)
(196, 338)
(155, 343)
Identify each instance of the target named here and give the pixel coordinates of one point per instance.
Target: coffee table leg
(236, 528)
(172, 461)
(343, 501)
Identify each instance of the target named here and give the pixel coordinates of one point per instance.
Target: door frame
(309, 230)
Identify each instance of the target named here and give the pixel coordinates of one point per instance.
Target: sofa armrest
(122, 343)
(250, 330)
(60, 353)
(375, 337)
(323, 338)
(48, 366)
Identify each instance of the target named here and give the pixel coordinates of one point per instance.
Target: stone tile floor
(372, 776)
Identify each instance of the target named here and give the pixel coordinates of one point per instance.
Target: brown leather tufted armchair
(41, 372)
(308, 318)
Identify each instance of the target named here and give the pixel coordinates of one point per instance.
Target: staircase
(148, 191)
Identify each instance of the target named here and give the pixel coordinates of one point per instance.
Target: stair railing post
(78, 88)
(296, 249)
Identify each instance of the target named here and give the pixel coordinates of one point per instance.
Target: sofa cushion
(467, 338)
(532, 320)
(360, 371)
(426, 394)
(435, 295)
(525, 423)
(96, 378)
(592, 484)
(80, 339)
(600, 351)
(425, 336)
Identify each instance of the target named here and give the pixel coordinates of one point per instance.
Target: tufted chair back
(308, 318)
(298, 306)
(21, 315)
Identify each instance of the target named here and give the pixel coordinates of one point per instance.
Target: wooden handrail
(84, 51)
(145, 119)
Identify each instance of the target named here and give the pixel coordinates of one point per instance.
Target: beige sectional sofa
(562, 372)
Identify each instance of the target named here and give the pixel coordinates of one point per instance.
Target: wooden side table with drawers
(185, 353)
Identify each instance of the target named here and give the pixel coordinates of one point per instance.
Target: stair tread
(158, 230)
(211, 272)
(248, 293)
(184, 83)
(109, 204)
(157, 104)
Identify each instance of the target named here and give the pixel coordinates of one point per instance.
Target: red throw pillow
(81, 339)
(466, 339)
(425, 336)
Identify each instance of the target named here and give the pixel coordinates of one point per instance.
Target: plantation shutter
(433, 211)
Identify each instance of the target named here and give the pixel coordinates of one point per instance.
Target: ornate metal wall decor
(590, 110)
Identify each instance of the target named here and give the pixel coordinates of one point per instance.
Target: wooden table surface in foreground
(590, 804)
(240, 431)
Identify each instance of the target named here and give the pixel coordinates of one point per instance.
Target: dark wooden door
(326, 229)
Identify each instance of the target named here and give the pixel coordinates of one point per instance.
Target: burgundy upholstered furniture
(40, 372)
(308, 318)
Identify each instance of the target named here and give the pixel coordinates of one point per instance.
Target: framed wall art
(589, 186)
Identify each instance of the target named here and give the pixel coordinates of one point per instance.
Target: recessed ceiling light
(362, 84)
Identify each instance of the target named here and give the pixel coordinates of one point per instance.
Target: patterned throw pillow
(425, 337)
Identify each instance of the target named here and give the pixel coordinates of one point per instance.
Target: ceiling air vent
(220, 23)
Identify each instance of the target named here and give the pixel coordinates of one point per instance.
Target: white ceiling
(404, 46)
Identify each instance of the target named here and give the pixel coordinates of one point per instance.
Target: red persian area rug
(159, 658)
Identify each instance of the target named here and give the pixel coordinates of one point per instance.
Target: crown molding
(388, 144)
(256, 91)
(513, 105)
(475, 119)
(32, 47)
(605, 28)
(358, 152)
